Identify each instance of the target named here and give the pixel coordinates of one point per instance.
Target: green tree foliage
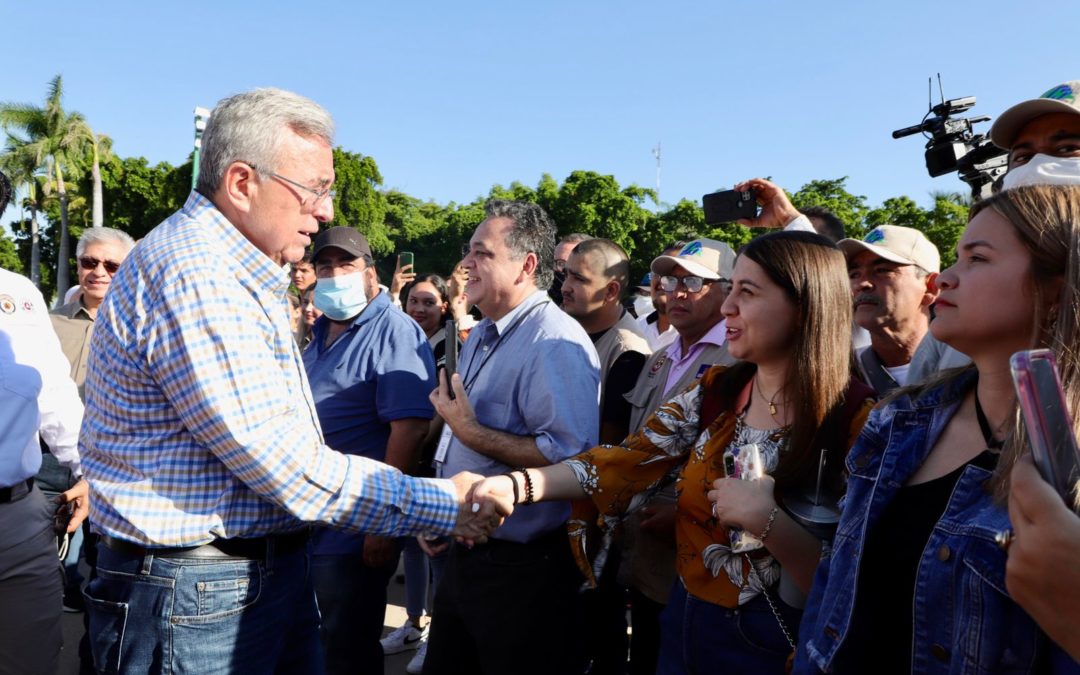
(139, 196)
(9, 254)
(359, 203)
(833, 195)
(58, 144)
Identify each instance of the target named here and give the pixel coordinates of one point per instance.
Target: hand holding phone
(451, 342)
(1049, 424)
(729, 206)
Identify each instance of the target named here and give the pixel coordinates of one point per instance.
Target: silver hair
(247, 128)
(534, 232)
(104, 235)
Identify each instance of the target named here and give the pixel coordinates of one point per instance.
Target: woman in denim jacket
(914, 581)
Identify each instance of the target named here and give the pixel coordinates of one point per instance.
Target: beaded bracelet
(528, 487)
(769, 524)
(513, 481)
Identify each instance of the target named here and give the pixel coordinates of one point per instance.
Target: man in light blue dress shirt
(526, 394)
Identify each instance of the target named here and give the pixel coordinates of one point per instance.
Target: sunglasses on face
(692, 284)
(88, 263)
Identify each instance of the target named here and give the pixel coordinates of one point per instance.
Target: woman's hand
(743, 504)
(402, 277)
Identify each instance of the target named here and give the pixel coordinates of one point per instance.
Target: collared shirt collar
(267, 274)
(74, 310)
(715, 336)
(508, 319)
(373, 309)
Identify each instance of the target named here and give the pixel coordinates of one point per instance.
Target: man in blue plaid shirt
(201, 441)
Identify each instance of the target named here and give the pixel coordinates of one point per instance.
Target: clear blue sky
(452, 97)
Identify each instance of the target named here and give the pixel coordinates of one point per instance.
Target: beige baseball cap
(1064, 98)
(707, 258)
(904, 245)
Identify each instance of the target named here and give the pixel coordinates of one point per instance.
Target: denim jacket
(964, 619)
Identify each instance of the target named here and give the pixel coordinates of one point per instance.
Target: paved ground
(395, 616)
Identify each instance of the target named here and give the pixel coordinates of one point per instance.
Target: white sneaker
(405, 637)
(416, 663)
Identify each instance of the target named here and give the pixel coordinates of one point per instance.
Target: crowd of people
(802, 456)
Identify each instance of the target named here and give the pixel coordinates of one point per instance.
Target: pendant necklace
(770, 401)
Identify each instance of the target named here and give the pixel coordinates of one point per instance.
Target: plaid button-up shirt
(200, 422)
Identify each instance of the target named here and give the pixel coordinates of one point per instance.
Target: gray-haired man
(202, 443)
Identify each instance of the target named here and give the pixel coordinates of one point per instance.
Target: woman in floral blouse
(790, 406)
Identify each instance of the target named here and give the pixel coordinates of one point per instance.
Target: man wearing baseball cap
(371, 369)
(1042, 136)
(892, 272)
(695, 281)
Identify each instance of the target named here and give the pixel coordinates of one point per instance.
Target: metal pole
(201, 115)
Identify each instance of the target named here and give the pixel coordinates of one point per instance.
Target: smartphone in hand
(1049, 424)
(729, 206)
(405, 258)
(451, 342)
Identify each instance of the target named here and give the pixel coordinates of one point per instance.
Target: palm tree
(101, 150)
(23, 174)
(57, 143)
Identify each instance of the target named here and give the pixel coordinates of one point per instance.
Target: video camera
(954, 146)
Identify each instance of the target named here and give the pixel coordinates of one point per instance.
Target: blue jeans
(150, 614)
(701, 638)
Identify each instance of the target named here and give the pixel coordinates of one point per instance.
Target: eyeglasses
(692, 284)
(88, 263)
(320, 193)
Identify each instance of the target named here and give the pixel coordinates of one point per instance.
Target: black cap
(345, 238)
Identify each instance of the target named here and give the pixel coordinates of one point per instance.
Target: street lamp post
(201, 115)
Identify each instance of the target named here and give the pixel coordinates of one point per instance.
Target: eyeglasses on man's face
(90, 263)
(319, 193)
(692, 284)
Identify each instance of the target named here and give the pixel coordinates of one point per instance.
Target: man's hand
(477, 519)
(776, 209)
(380, 551)
(79, 497)
(402, 276)
(1042, 573)
(433, 547)
(457, 412)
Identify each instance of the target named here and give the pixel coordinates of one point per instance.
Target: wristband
(769, 524)
(513, 481)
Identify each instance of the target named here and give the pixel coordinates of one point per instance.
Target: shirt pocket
(494, 414)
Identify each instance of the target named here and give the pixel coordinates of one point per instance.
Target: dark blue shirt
(379, 370)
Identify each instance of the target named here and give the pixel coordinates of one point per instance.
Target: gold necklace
(770, 401)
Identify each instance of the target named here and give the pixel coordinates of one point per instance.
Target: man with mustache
(892, 272)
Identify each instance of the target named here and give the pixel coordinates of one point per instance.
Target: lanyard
(467, 382)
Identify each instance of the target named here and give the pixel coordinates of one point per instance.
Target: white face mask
(643, 305)
(341, 297)
(1044, 170)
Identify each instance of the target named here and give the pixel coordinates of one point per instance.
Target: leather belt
(244, 548)
(17, 491)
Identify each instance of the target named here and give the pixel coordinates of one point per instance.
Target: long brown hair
(1047, 221)
(813, 274)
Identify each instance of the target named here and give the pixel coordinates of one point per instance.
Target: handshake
(481, 510)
